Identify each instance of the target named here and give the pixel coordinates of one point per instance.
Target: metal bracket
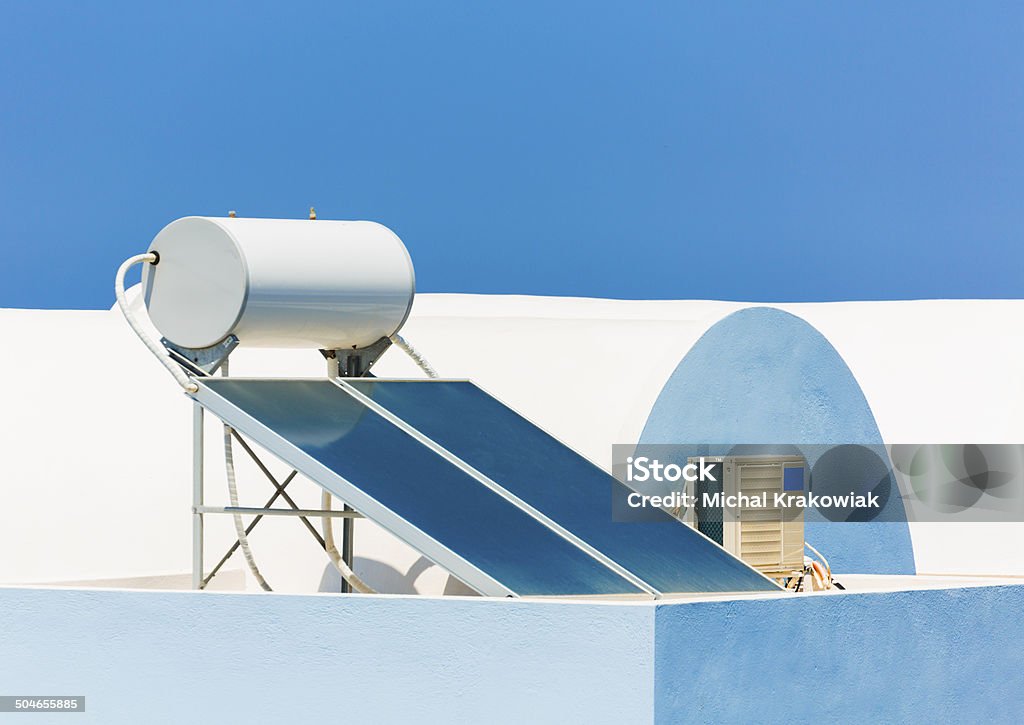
(203, 360)
(355, 362)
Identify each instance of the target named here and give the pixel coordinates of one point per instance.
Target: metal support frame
(248, 529)
(199, 509)
(197, 495)
(246, 510)
(347, 541)
(205, 362)
(352, 363)
(199, 579)
(280, 489)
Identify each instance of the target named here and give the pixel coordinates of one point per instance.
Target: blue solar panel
(325, 433)
(546, 474)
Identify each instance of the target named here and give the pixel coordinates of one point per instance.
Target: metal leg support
(197, 496)
(347, 541)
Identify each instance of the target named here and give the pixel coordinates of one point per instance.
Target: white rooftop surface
(852, 584)
(97, 483)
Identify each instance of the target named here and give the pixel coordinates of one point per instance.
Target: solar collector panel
(558, 482)
(394, 479)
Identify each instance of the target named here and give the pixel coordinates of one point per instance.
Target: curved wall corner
(763, 376)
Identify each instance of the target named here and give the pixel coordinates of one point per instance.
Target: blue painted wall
(763, 376)
(180, 657)
(907, 657)
(175, 657)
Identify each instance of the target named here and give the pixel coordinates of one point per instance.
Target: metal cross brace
(278, 492)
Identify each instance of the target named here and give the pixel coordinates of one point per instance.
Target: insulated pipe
(412, 352)
(229, 466)
(335, 556)
(153, 345)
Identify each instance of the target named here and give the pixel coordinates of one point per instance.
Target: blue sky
(758, 151)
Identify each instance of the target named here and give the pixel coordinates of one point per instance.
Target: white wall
(97, 435)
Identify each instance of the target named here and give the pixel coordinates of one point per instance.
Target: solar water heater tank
(278, 282)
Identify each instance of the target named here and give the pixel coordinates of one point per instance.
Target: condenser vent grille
(709, 518)
(754, 524)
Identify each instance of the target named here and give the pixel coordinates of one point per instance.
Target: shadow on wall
(386, 578)
(762, 376)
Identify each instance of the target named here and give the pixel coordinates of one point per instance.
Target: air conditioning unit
(751, 509)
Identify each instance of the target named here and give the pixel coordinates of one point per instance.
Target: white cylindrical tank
(278, 282)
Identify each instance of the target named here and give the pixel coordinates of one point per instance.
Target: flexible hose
(414, 354)
(229, 466)
(183, 380)
(335, 556)
(823, 559)
(821, 571)
(154, 347)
